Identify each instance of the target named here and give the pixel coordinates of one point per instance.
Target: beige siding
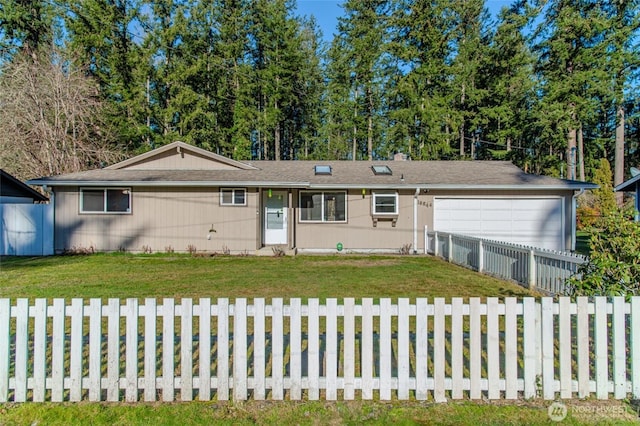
(180, 217)
(359, 233)
(160, 218)
(185, 160)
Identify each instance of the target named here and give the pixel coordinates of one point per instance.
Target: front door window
(275, 217)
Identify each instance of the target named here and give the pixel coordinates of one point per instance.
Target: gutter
(308, 185)
(159, 183)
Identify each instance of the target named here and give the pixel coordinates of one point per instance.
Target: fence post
(480, 256)
(450, 255)
(426, 239)
(435, 243)
(532, 270)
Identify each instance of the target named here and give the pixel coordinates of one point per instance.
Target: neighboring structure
(179, 197)
(26, 222)
(13, 191)
(632, 185)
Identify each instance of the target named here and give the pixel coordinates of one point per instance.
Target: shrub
(613, 268)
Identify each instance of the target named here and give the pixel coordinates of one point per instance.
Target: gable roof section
(10, 186)
(151, 160)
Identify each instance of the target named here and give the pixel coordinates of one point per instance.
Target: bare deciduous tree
(51, 118)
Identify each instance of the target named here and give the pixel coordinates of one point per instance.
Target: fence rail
(496, 349)
(537, 268)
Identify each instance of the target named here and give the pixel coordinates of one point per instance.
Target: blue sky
(328, 11)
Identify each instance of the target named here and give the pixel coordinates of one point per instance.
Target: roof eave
(309, 185)
(54, 183)
(629, 185)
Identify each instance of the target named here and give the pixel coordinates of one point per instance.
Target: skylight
(381, 170)
(322, 170)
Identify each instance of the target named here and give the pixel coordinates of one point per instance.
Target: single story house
(179, 197)
(632, 185)
(14, 191)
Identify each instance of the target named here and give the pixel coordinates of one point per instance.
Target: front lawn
(169, 275)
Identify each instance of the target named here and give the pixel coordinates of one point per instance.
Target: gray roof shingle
(405, 174)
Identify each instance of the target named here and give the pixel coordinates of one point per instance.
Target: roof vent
(381, 170)
(322, 170)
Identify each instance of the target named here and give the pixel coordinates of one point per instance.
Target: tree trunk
(370, 126)
(276, 131)
(462, 98)
(571, 151)
(473, 147)
(618, 173)
(581, 153)
(355, 129)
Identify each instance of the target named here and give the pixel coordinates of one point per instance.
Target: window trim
(233, 197)
(375, 195)
(323, 192)
(104, 190)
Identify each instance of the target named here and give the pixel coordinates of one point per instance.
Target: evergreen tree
(506, 76)
(233, 89)
(99, 31)
(572, 66)
(469, 50)
(278, 62)
(623, 58)
(357, 75)
(168, 49)
(422, 102)
(25, 25)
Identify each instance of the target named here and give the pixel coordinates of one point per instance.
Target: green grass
(303, 413)
(161, 275)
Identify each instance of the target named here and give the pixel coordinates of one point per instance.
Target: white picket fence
(496, 349)
(532, 267)
(26, 229)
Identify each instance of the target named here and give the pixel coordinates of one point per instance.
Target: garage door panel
(534, 222)
(495, 204)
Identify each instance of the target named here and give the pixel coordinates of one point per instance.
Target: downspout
(51, 218)
(415, 221)
(574, 217)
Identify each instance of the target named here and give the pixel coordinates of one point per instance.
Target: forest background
(549, 85)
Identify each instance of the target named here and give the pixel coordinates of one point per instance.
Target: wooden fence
(496, 349)
(535, 268)
(26, 229)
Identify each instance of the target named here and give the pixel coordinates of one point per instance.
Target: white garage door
(536, 222)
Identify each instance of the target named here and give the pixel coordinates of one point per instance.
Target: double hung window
(233, 197)
(105, 200)
(321, 206)
(385, 203)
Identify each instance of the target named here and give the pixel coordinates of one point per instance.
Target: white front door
(275, 217)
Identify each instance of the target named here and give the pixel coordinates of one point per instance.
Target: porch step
(275, 250)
